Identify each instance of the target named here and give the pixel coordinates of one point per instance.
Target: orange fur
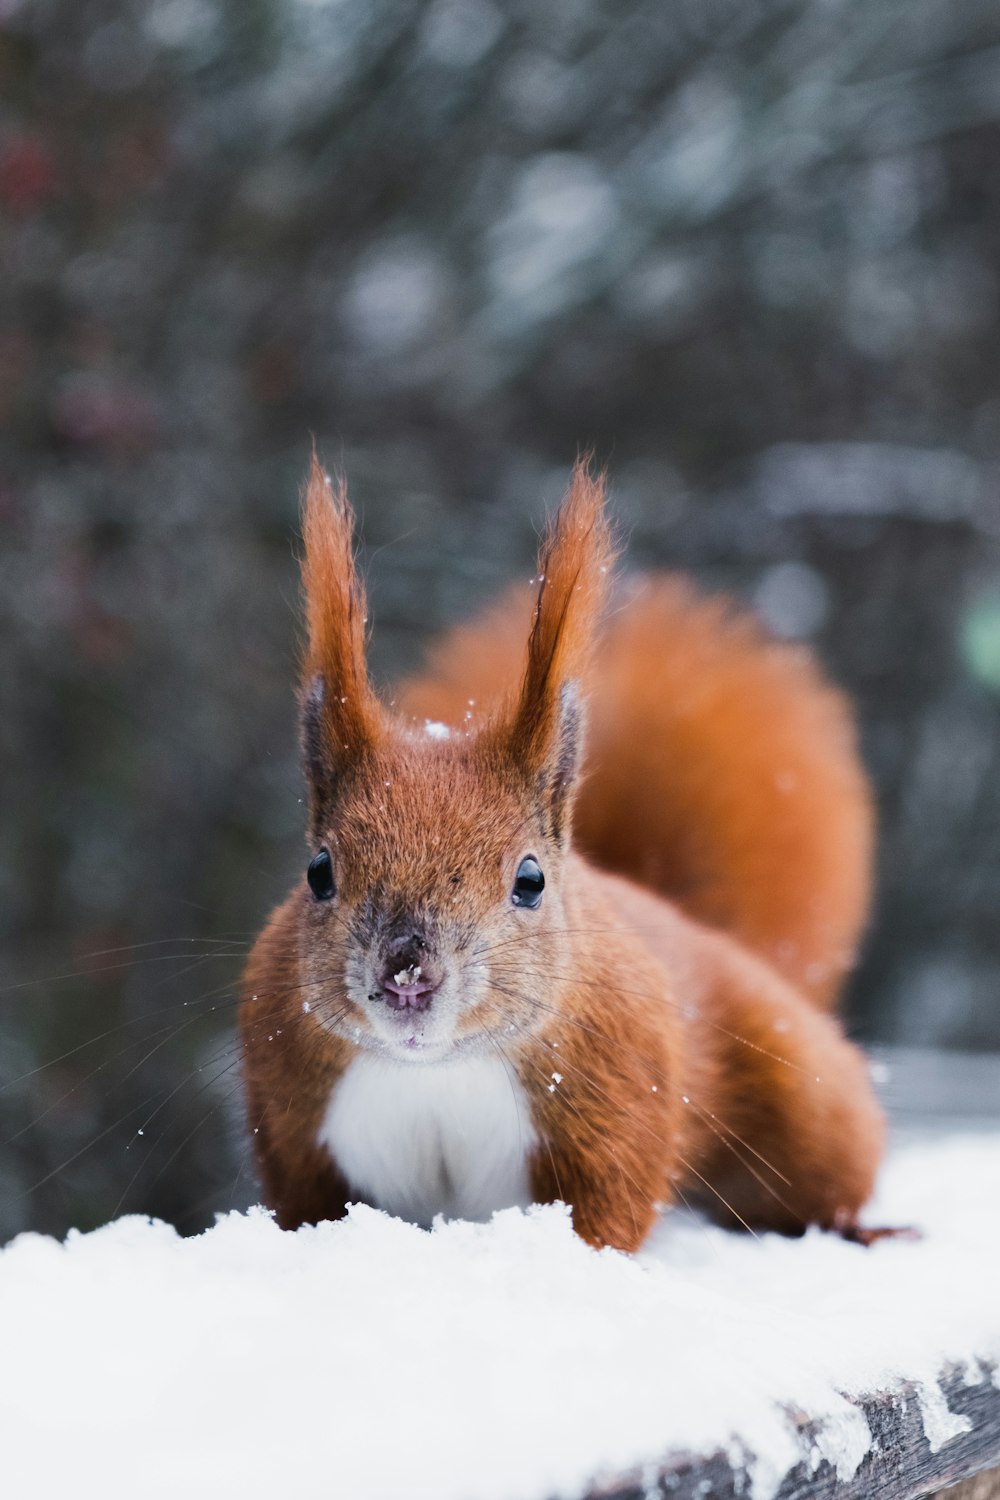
(572, 583)
(721, 769)
(691, 1054)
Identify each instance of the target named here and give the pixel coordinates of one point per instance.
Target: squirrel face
(434, 889)
(441, 894)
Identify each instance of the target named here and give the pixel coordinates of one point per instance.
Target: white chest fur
(417, 1140)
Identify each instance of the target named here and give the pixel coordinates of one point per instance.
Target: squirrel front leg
(290, 1064)
(789, 1131)
(301, 1181)
(608, 1120)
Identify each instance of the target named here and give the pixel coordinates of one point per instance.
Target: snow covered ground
(369, 1359)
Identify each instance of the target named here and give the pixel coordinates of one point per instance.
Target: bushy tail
(721, 769)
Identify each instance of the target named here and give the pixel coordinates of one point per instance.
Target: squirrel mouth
(408, 990)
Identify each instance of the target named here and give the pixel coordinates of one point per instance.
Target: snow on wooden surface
(507, 1361)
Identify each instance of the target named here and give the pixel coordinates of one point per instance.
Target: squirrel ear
(545, 735)
(341, 718)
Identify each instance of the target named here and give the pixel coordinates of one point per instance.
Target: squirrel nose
(408, 979)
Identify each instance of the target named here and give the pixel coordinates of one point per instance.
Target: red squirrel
(582, 944)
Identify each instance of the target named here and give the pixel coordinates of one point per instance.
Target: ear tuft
(340, 714)
(546, 732)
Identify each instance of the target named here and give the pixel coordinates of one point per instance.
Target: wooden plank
(900, 1465)
(984, 1486)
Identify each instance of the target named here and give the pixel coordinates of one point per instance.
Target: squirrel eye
(529, 883)
(320, 876)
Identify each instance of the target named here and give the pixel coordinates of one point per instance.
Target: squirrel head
(434, 917)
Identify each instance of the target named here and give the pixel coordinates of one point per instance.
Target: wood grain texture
(899, 1466)
(984, 1486)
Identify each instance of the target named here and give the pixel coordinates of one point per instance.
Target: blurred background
(746, 249)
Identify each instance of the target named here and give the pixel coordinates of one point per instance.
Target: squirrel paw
(861, 1234)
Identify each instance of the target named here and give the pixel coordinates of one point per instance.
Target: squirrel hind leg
(789, 1133)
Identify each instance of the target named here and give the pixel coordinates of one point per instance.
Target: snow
(501, 1361)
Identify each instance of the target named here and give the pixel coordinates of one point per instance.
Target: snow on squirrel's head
(433, 893)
